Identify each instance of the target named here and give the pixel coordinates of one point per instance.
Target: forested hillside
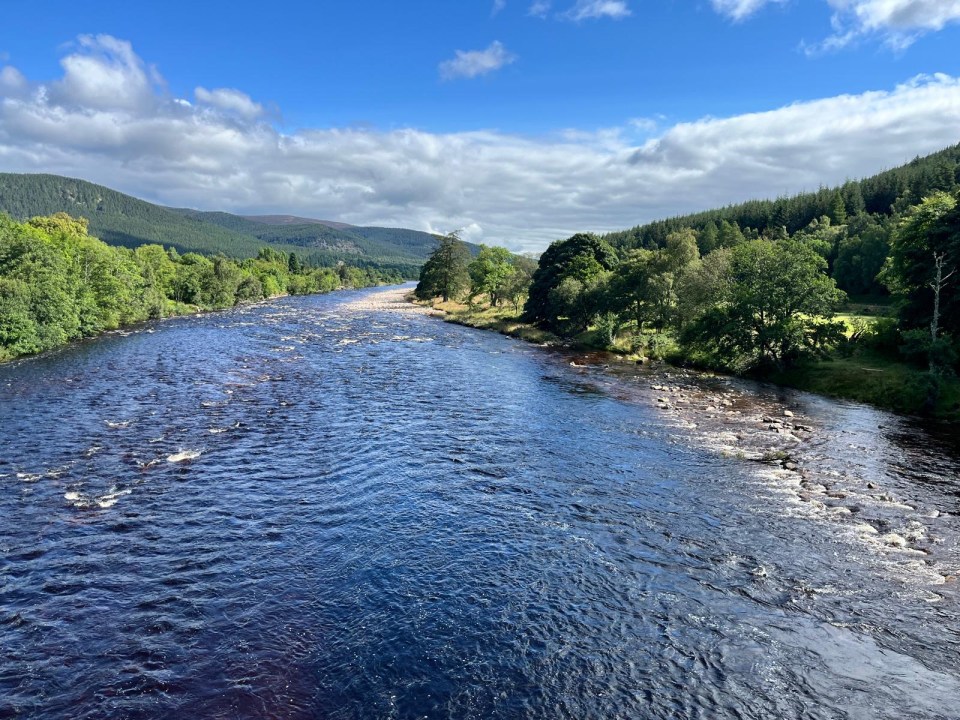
(120, 219)
(850, 225)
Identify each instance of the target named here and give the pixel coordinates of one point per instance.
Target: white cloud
(539, 8)
(104, 73)
(469, 64)
(506, 189)
(740, 9)
(498, 6)
(12, 82)
(898, 22)
(229, 100)
(589, 9)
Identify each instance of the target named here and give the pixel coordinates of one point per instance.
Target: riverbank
(862, 377)
(173, 310)
(791, 453)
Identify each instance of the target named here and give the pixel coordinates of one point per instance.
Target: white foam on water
(120, 424)
(184, 455)
(111, 498)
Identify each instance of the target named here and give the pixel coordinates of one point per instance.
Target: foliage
(927, 230)
(444, 274)
(859, 214)
(773, 311)
(490, 273)
(57, 283)
(567, 285)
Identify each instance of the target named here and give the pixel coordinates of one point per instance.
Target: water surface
(310, 508)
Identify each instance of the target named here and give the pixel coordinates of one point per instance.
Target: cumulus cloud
(104, 73)
(12, 82)
(229, 100)
(519, 191)
(740, 9)
(590, 9)
(471, 63)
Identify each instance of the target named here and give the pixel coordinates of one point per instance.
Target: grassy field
(875, 379)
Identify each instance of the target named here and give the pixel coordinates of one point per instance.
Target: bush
(882, 335)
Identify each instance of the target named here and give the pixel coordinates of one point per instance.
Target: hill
(120, 219)
(883, 195)
(294, 220)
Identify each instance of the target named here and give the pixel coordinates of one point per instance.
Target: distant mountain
(120, 219)
(294, 220)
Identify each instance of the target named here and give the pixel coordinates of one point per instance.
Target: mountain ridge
(121, 219)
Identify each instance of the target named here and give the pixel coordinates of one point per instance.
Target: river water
(320, 508)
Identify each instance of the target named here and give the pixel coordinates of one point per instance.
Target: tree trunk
(937, 285)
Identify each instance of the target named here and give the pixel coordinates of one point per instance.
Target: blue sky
(519, 121)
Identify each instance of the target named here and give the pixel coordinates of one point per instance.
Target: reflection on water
(311, 509)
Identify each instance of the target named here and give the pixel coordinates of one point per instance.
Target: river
(323, 507)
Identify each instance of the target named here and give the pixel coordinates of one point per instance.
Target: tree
(708, 238)
(929, 230)
(939, 283)
(729, 234)
(518, 286)
(293, 264)
(774, 309)
(490, 273)
(582, 258)
(702, 285)
(444, 274)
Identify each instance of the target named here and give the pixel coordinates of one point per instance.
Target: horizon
(498, 128)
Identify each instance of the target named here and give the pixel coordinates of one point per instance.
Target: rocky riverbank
(793, 455)
(795, 459)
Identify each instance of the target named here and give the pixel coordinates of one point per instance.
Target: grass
(873, 378)
(504, 319)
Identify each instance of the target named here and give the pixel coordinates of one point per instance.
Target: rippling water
(309, 508)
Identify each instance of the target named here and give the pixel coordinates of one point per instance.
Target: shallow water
(309, 508)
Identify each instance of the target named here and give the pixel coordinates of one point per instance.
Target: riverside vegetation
(851, 291)
(57, 283)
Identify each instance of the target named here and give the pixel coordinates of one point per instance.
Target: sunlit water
(310, 509)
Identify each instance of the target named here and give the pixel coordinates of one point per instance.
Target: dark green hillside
(115, 218)
(120, 219)
(395, 243)
(882, 195)
(304, 235)
(294, 220)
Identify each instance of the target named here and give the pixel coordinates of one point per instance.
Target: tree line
(58, 283)
(743, 302)
(852, 224)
